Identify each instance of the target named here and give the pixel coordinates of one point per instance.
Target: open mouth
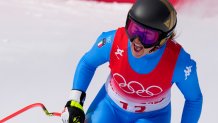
(137, 47)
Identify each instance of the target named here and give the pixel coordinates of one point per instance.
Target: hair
(173, 36)
(163, 41)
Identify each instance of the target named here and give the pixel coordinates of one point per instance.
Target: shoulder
(109, 33)
(173, 45)
(101, 48)
(106, 37)
(185, 58)
(185, 66)
(105, 40)
(183, 55)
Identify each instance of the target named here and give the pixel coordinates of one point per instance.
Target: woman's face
(137, 48)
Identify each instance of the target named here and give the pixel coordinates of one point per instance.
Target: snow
(41, 42)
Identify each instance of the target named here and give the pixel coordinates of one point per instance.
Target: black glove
(73, 112)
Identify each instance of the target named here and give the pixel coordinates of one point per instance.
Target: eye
(151, 36)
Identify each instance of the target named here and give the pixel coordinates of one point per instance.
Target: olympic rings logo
(129, 87)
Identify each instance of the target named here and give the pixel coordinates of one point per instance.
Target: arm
(85, 70)
(186, 79)
(96, 56)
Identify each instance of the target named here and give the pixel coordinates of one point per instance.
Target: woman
(145, 62)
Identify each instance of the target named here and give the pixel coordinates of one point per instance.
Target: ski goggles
(147, 36)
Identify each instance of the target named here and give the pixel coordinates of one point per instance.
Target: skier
(144, 61)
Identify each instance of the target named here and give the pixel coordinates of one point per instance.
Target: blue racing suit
(104, 110)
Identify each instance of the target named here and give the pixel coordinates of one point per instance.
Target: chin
(138, 55)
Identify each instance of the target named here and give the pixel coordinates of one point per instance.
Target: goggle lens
(147, 36)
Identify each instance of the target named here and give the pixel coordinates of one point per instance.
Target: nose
(136, 40)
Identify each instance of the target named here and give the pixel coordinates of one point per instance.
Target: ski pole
(30, 107)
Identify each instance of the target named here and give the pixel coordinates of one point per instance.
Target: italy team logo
(102, 43)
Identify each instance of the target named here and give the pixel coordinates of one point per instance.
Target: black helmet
(155, 14)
